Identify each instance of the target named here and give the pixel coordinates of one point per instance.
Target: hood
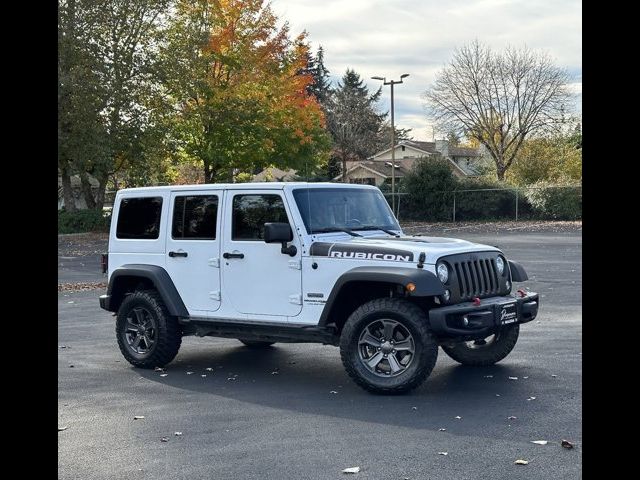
(400, 249)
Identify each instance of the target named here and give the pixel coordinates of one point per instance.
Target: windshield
(333, 209)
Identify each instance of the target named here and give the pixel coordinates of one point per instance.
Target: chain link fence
(551, 202)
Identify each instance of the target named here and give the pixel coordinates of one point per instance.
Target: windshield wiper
(336, 229)
(373, 227)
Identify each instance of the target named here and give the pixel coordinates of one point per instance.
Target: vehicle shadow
(310, 379)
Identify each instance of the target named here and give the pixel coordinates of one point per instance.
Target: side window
(195, 217)
(251, 212)
(139, 218)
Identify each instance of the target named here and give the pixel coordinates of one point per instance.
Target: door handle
(232, 255)
(178, 254)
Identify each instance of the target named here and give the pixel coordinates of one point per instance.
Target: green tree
(553, 158)
(429, 185)
(353, 119)
(238, 86)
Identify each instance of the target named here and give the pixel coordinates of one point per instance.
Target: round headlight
(443, 273)
(500, 265)
(447, 295)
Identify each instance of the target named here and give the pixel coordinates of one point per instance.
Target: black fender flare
(427, 284)
(518, 273)
(160, 279)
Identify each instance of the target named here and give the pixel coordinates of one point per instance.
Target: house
(273, 174)
(377, 169)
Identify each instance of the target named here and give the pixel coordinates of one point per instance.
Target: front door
(257, 278)
(193, 249)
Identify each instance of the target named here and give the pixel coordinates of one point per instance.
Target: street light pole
(393, 138)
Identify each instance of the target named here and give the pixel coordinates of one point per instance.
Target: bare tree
(498, 98)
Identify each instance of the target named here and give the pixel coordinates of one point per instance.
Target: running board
(265, 332)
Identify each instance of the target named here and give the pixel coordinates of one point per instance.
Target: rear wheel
(147, 335)
(386, 346)
(486, 351)
(257, 344)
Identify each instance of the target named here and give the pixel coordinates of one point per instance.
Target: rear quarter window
(139, 218)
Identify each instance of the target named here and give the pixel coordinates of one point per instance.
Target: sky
(390, 37)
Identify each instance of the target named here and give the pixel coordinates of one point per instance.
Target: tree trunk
(87, 192)
(67, 191)
(500, 171)
(100, 194)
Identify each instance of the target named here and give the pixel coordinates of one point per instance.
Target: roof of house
(273, 174)
(463, 152)
(382, 169)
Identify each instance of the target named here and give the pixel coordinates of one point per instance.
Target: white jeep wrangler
(305, 262)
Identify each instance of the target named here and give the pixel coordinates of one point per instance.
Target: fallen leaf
(540, 442)
(178, 434)
(189, 373)
(164, 374)
(209, 369)
(333, 391)
(554, 376)
(531, 398)
(497, 394)
(138, 417)
(414, 408)
(64, 346)
(511, 417)
(513, 378)
(488, 376)
(60, 429)
(457, 417)
(164, 439)
(442, 429)
(275, 372)
(525, 377)
(521, 462)
(443, 453)
(567, 444)
(231, 378)
(204, 375)
(158, 369)
(71, 301)
(351, 470)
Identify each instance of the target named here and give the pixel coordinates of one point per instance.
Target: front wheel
(486, 351)
(386, 346)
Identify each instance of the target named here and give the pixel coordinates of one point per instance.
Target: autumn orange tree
(237, 89)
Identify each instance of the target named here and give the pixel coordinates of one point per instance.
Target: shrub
(83, 221)
(551, 202)
(429, 186)
(482, 205)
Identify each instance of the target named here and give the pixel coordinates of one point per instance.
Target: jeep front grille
(476, 278)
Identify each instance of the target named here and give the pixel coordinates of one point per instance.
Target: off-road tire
(410, 317)
(486, 355)
(169, 332)
(256, 344)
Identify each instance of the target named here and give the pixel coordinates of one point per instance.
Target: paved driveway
(264, 425)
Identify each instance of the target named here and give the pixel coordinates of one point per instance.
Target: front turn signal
(411, 287)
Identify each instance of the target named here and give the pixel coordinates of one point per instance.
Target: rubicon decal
(359, 252)
(371, 256)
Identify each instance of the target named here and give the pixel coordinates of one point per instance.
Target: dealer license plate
(508, 314)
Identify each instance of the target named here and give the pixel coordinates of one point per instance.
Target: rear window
(194, 217)
(139, 218)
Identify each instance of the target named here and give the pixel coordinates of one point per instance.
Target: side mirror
(280, 233)
(277, 233)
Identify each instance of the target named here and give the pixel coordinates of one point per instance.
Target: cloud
(388, 38)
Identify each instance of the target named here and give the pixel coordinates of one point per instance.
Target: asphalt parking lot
(272, 414)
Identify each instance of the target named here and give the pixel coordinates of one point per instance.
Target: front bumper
(478, 321)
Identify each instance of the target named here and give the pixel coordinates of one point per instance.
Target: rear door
(193, 249)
